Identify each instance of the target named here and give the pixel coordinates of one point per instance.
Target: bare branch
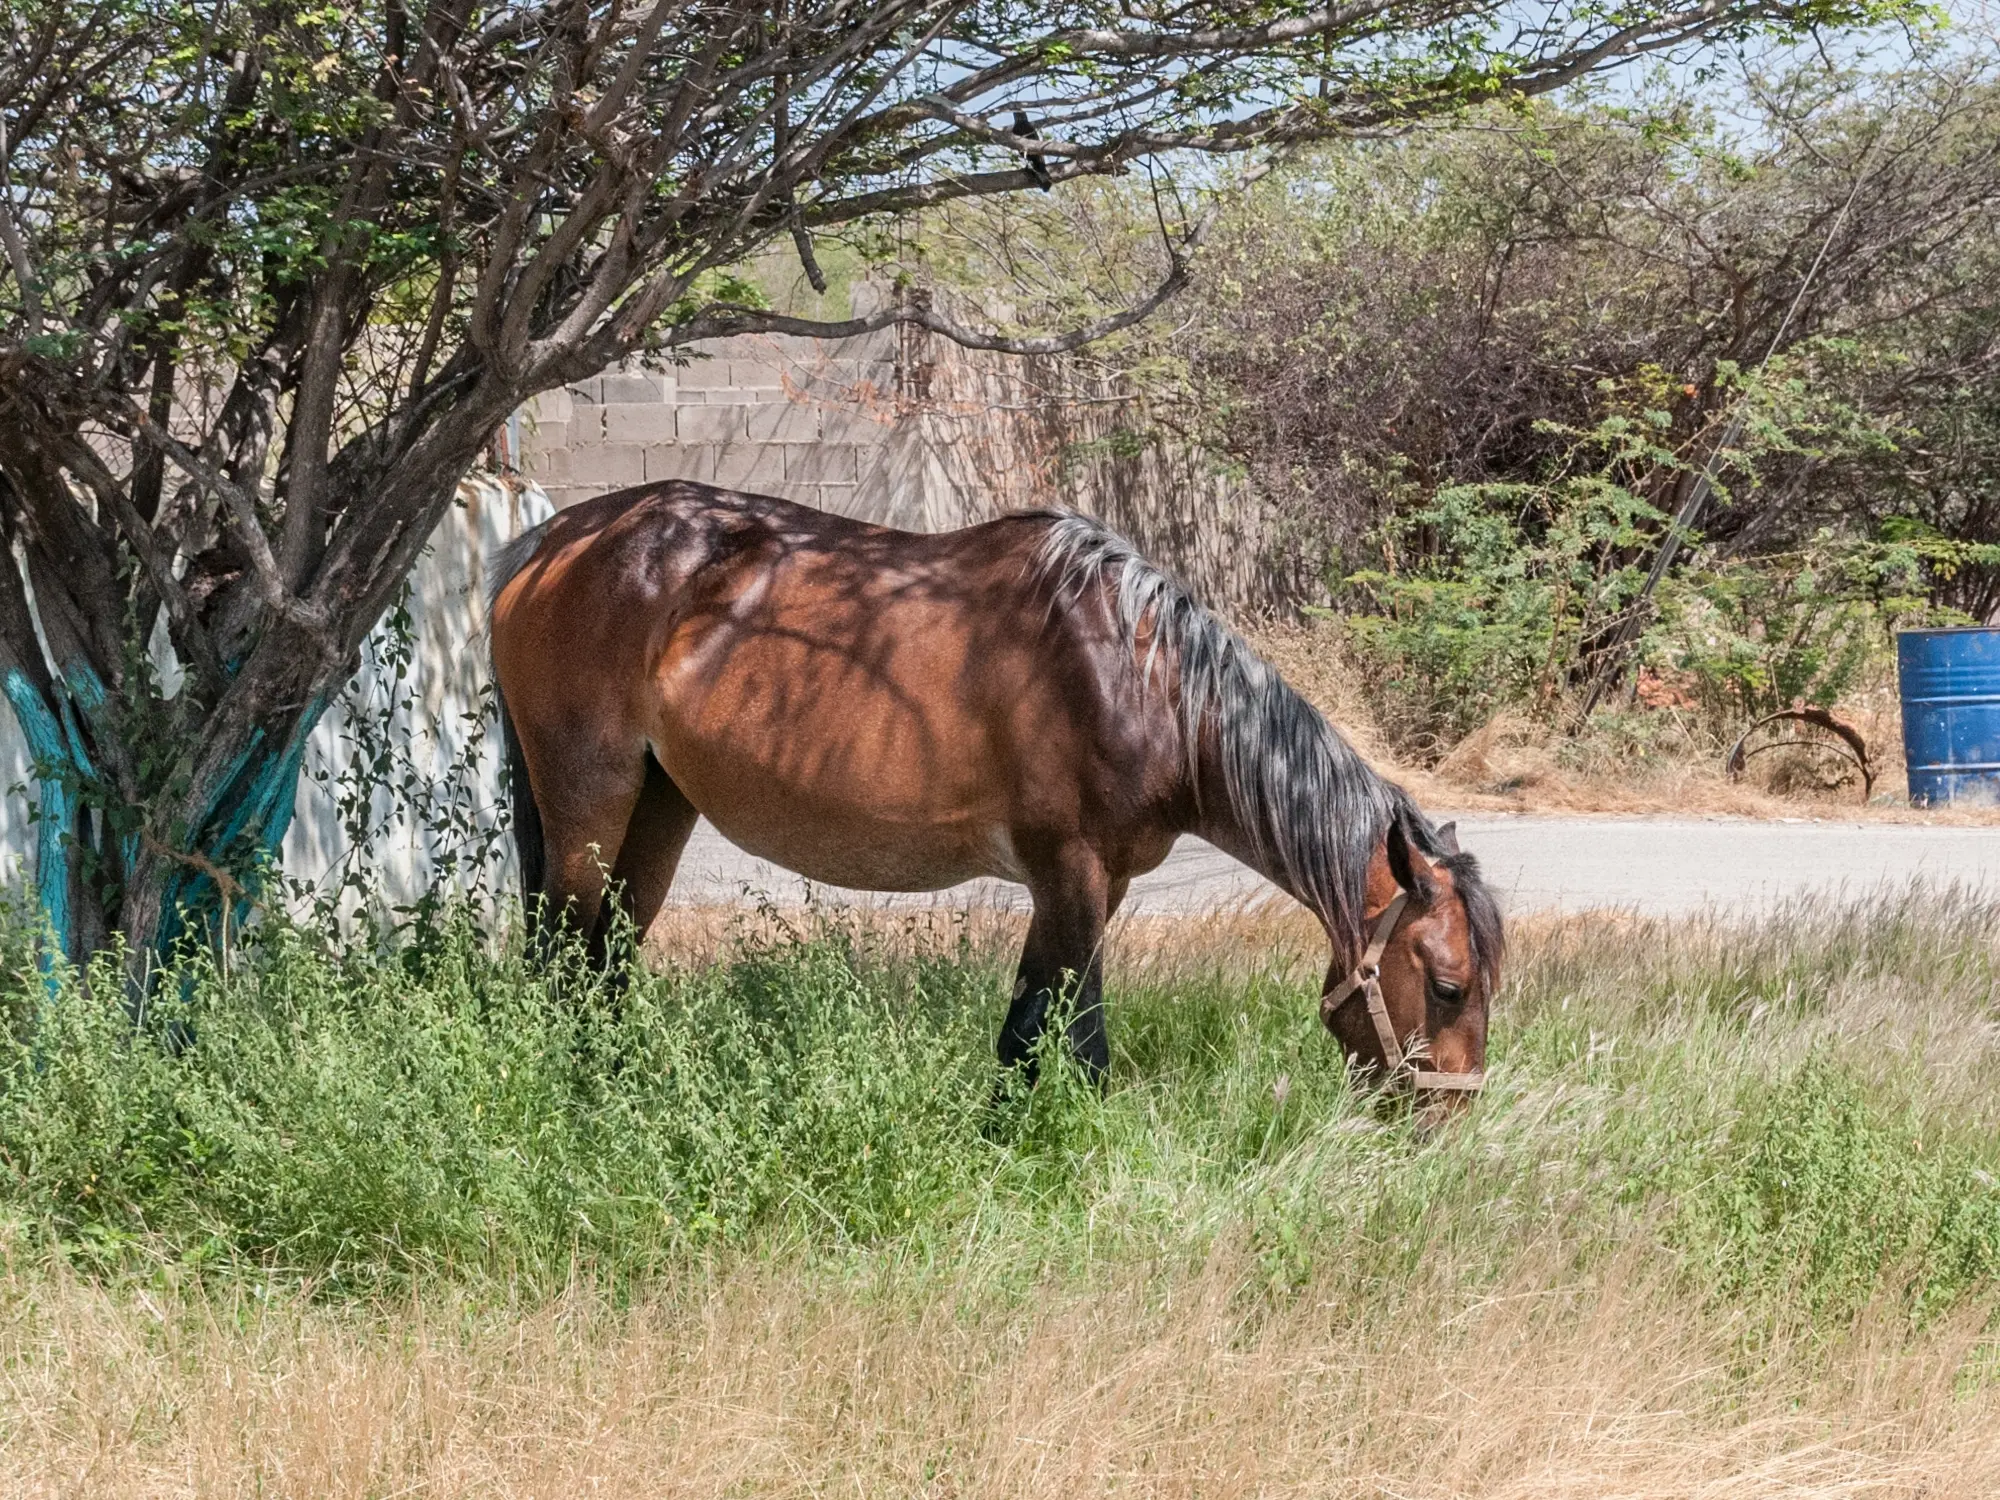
(723, 319)
(17, 249)
(242, 508)
(191, 637)
(802, 242)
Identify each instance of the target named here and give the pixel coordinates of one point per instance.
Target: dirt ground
(1512, 765)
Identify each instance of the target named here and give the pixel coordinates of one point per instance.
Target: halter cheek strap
(1367, 978)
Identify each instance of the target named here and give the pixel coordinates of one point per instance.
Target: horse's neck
(1217, 823)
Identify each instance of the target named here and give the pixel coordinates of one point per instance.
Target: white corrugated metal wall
(440, 709)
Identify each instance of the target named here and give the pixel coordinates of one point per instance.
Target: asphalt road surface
(1659, 866)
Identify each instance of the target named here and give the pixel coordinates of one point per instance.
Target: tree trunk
(170, 835)
(154, 869)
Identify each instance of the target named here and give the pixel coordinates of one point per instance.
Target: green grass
(1797, 1118)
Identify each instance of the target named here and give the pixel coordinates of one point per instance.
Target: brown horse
(1028, 699)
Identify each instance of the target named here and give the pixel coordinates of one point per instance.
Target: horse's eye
(1447, 994)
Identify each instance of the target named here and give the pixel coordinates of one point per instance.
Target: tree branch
(190, 635)
(722, 319)
(17, 249)
(242, 508)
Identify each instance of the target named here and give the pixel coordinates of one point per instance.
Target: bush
(345, 1113)
(1521, 596)
(1831, 1193)
(1386, 320)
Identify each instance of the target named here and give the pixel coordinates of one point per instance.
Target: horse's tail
(527, 817)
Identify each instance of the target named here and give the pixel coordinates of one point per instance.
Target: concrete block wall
(780, 416)
(903, 428)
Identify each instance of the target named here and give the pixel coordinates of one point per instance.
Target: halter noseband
(1367, 978)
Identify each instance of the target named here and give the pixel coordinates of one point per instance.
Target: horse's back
(653, 544)
(872, 707)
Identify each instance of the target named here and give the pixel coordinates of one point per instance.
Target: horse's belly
(897, 829)
(865, 858)
(877, 748)
(845, 846)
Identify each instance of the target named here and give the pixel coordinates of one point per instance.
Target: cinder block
(821, 463)
(782, 424)
(608, 465)
(548, 464)
(549, 407)
(709, 424)
(840, 499)
(703, 374)
(740, 346)
(732, 395)
(879, 345)
(588, 390)
(634, 389)
(639, 424)
(750, 467)
(848, 424)
(756, 374)
(536, 433)
(680, 462)
(829, 379)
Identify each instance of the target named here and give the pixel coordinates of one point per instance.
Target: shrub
(360, 1118)
(1521, 595)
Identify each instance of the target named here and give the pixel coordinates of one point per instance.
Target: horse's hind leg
(586, 797)
(654, 838)
(1063, 956)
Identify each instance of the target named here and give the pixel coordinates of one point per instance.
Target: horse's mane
(1482, 911)
(1311, 806)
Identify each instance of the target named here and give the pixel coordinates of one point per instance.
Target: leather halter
(1367, 978)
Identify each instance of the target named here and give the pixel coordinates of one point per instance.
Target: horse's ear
(1412, 871)
(1448, 838)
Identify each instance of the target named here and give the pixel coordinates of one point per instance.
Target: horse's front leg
(1063, 956)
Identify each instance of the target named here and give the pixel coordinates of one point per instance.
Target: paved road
(1664, 866)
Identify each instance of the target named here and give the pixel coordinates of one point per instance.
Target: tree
(1389, 320)
(274, 272)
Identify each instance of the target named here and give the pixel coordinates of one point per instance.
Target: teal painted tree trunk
(243, 826)
(88, 848)
(60, 764)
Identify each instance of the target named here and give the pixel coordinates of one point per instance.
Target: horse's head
(1416, 1003)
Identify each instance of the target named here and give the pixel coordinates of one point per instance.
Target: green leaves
(1834, 1197)
(1511, 591)
(1779, 1125)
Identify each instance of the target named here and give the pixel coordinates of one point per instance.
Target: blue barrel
(1951, 713)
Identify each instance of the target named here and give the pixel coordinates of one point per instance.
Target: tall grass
(1802, 1112)
(1763, 1156)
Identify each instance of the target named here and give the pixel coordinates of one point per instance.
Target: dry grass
(1267, 936)
(1580, 1369)
(1515, 765)
(756, 1381)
